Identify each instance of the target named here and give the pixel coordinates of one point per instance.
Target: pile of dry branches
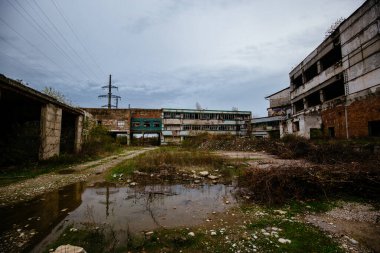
(279, 185)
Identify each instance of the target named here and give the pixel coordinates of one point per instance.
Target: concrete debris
(69, 249)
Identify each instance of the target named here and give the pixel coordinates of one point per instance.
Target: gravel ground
(355, 225)
(31, 188)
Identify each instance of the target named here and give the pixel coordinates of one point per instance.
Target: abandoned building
(335, 90)
(278, 111)
(34, 125)
(179, 124)
(127, 122)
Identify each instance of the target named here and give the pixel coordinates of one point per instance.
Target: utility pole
(109, 95)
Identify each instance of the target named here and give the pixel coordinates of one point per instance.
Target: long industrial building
(170, 125)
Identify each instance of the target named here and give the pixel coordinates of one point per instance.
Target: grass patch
(170, 160)
(303, 238)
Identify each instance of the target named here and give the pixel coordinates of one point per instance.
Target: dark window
(297, 81)
(99, 122)
(374, 128)
(313, 99)
(334, 90)
(311, 72)
(146, 124)
(332, 57)
(156, 124)
(331, 132)
(298, 106)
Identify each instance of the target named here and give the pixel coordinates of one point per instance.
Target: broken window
(334, 90)
(311, 72)
(331, 132)
(297, 81)
(298, 106)
(374, 128)
(136, 124)
(156, 124)
(99, 122)
(313, 99)
(146, 124)
(333, 57)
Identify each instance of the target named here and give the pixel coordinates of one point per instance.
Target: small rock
(191, 234)
(282, 240)
(280, 211)
(227, 202)
(213, 233)
(204, 173)
(149, 233)
(64, 210)
(133, 184)
(197, 181)
(212, 177)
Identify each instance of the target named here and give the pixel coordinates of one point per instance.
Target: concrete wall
(51, 120)
(78, 134)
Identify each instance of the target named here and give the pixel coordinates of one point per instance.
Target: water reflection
(124, 209)
(25, 224)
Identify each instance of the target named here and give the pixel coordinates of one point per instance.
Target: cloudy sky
(163, 53)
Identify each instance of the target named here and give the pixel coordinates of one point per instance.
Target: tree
(56, 94)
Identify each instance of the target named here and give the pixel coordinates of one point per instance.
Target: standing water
(34, 225)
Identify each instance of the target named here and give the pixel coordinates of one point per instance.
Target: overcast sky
(164, 53)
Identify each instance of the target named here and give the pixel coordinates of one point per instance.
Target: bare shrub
(278, 185)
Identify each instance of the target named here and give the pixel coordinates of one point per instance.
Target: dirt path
(261, 159)
(29, 189)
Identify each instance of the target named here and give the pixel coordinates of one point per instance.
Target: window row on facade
(205, 116)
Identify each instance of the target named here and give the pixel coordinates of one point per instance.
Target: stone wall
(51, 120)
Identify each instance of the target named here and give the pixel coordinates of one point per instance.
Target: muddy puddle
(33, 225)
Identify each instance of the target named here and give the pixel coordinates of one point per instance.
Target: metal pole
(109, 94)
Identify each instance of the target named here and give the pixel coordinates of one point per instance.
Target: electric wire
(44, 34)
(63, 37)
(36, 48)
(59, 9)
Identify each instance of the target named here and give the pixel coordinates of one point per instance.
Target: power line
(32, 45)
(62, 36)
(76, 36)
(42, 32)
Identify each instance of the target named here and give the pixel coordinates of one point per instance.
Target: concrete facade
(333, 88)
(179, 124)
(279, 109)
